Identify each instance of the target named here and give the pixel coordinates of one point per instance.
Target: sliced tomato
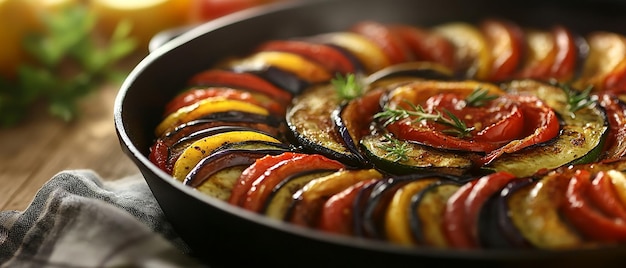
(329, 57)
(261, 187)
(454, 223)
(394, 47)
(159, 156)
(311, 198)
(471, 48)
(541, 53)
(253, 171)
(506, 42)
(615, 144)
(566, 54)
(498, 124)
(196, 94)
(337, 212)
(217, 77)
(604, 196)
(427, 45)
(484, 188)
(368, 53)
(584, 217)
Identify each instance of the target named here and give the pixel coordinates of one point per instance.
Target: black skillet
(225, 236)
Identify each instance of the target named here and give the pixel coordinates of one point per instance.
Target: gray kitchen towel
(79, 220)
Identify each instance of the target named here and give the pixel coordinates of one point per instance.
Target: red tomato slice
(540, 55)
(540, 125)
(584, 217)
(615, 144)
(455, 227)
(506, 41)
(262, 186)
(427, 45)
(505, 124)
(215, 77)
(395, 49)
(327, 56)
(484, 188)
(194, 95)
(604, 197)
(566, 54)
(337, 212)
(615, 81)
(252, 172)
(204, 10)
(159, 154)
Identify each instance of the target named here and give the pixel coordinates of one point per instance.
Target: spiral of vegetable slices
(486, 135)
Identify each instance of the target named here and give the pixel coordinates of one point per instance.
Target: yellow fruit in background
(147, 17)
(17, 18)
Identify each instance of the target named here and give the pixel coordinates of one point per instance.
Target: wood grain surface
(41, 146)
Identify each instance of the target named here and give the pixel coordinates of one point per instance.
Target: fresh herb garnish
(395, 148)
(576, 100)
(348, 87)
(67, 64)
(479, 97)
(457, 126)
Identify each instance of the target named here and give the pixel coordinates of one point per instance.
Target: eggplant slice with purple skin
(495, 228)
(426, 213)
(216, 173)
(281, 198)
(310, 120)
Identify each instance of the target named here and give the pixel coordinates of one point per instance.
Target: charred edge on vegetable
(415, 221)
(283, 79)
(286, 181)
(223, 159)
(360, 160)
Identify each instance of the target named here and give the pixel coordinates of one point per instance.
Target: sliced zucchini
(382, 152)
(581, 139)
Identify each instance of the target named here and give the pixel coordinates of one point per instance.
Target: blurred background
(61, 65)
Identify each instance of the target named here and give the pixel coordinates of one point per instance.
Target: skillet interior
(214, 229)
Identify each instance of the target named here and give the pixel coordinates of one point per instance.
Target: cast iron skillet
(224, 235)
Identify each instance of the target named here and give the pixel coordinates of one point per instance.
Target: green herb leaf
(68, 64)
(395, 148)
(479, 97)
(576, 100)
(457, 126)
(348, 87)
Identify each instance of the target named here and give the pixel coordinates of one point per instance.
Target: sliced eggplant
(581, 139)
(281, 198)
(418, 158)
(310, 121)
(410, 71)
(228, 157)
(426, 213)
(378, 202)
(309, 200)
(496, 229)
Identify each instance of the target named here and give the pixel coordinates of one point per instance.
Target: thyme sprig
(479, 97)
(348, 86)
(396, 149)
(457, 126)
(576, 100)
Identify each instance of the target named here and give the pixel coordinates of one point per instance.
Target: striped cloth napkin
(78, 220)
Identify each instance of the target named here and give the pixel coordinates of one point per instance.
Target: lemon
(147, 17)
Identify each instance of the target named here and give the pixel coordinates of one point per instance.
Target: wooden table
(40, 147)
